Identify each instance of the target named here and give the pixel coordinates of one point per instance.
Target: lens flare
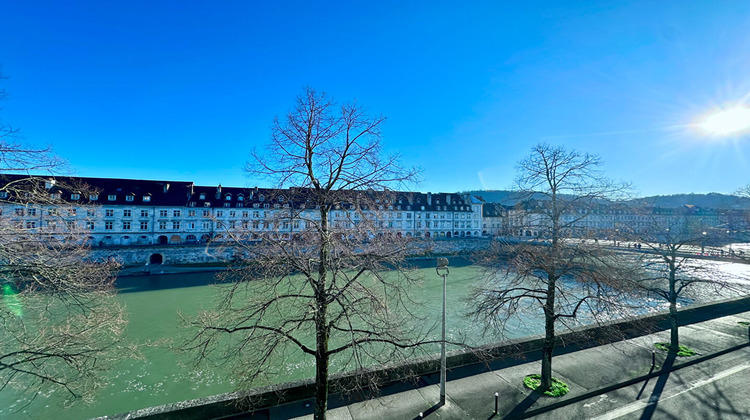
(729, 121)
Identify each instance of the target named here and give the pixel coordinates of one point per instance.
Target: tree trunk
(549, 337)
(321, 327)
(674, 338)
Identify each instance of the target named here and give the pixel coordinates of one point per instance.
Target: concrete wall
(226, 404)
(199, 254)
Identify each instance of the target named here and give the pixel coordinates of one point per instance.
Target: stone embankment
(162, 259)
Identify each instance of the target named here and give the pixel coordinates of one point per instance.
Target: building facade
(124, 212)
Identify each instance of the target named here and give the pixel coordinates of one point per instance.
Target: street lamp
(703, 243)
(442, 270)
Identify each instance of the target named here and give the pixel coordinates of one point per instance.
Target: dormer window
(94, 197)
(129, 197)
(3, 194)
(262, 197)
(75, 196)
(146, 198)
(228, 197)
(240, 198)
(202, 196)
(281, 198)
(112, 197)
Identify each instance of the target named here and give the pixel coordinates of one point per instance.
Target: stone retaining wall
(225, 404)
(201, 254)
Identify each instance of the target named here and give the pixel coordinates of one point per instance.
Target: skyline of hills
(709, 200)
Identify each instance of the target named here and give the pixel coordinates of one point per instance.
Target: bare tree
(556, 274)
(671, 270)
(60, 325)
(318, 280)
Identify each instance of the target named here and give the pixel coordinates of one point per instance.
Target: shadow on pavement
(653, 400)
(519, 410)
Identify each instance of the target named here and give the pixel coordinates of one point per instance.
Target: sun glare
(727, 121)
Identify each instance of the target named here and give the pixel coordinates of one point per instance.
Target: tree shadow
(661, 383)
(519, 410)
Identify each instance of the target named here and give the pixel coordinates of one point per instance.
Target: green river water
(153, 304)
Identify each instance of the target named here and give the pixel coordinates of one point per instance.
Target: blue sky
(184, 90)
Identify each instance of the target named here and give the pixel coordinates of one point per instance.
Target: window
(191, 225)
(176, 213)
(144, 213)
(162, 213)
(191, 204)
(109, 213)
(232, 224)
(227, 204)
(144, 225)
(107, 225)
(90, 213)
(127, 213)
(112, 197)
(146, 198)
(75, 196)
(19, 212)
(207, 204)
(94, 197)
(162, 225)
(30, 225)
(129, 197)
(175, 225)
(3, 194)
(256, 214)
(232, 214)
(71, 212)
(126, 225)
(245, 214)
(206, 225)
(191, 213)
(31, 212)
(202, 196)
(240, 198)
(228, 197)
(262, 197)
(206, 213)
(219, 213)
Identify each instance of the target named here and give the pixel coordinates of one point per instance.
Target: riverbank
(589, 368)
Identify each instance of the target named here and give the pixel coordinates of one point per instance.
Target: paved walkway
(713, 385)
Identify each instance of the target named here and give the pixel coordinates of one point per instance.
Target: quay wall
(499, 354)
(150, 255)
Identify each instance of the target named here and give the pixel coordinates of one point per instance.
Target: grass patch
(558, 388)
(683, 352)
(744, 323)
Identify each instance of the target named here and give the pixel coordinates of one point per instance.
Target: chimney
(218, 192)
(48, 184)
(429, 198)
(448, 199)
(166, 187)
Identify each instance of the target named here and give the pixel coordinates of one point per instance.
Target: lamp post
(442, 270)
(703, 243)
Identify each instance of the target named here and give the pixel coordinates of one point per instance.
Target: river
(153, 305)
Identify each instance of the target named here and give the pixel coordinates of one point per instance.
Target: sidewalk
(715, 384)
